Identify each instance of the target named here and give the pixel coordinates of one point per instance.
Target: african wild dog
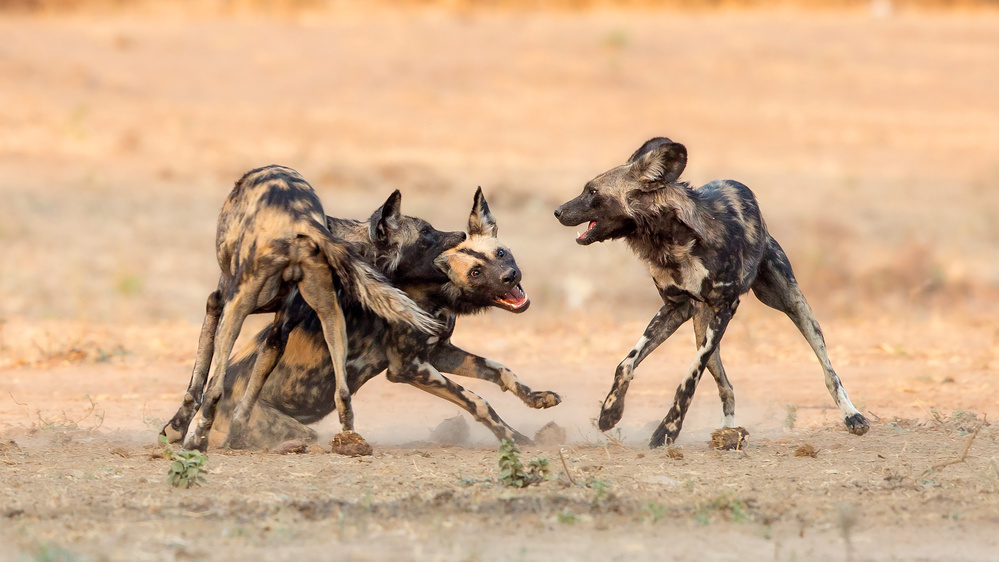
(705, 247)
(273, 245)
(481, 273)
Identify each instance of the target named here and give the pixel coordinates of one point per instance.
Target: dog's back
(267, 205)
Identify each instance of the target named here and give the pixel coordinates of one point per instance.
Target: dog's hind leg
(448, 358)
(663, 324)
(266, 359)
(777, 288)
(424, 376)
(717, 323)
(176, 428)
(702, 317)
(234, 312)
(319, 292)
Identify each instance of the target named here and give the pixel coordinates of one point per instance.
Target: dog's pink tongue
(588, 229)
(515, 297)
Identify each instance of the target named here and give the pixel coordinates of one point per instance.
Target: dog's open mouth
(583, 237)
(514, 301)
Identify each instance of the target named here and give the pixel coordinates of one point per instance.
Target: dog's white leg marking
(670, 427)
(776, 287)
(662, 326)
(427, 378)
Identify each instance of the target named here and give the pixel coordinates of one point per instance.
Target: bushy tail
(371, 289)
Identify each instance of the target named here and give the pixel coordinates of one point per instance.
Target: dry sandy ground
(873, 146)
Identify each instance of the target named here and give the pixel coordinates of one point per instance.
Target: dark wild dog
(273, 245)
(705, 248)
(476, 274)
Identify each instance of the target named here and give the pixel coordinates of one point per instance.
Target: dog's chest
(687, 275)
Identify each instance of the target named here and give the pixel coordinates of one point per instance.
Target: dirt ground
(870, 136)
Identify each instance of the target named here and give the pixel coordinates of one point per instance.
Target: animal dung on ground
(551, 434)
(452, 431)
(806, 450)
(350, 444)
(296, 446)
(729, 438)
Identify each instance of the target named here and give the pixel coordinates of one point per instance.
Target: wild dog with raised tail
(445, 273)
(705, 248)
(273, 245)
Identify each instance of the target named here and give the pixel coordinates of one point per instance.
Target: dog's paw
(610, 415)
(543, 399)
(175, 429)
(196, 441)
(857, 424)
(665, 434)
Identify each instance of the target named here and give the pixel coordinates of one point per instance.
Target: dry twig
(608, 436)
(964, 453)
(566, 467)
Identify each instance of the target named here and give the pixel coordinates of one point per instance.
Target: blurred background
(868, 130)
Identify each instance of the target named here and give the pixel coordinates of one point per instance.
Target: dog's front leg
(670, 427)
(448, 358)
(421, 374)
(664, 323)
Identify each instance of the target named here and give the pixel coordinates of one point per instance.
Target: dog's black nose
(558, 213)
(510, 277)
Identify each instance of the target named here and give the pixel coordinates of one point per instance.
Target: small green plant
(733, 508)
(512, 472)
(656, 511)
(54, 553)
(539, 467)
(599, 488)
(186, 468)
(567, 518)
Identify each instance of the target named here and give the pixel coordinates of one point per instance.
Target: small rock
(350, 444)
(9, 448)
(551, 434)
(806, 450)
(729, 438)
(452, 431)
(296, 446)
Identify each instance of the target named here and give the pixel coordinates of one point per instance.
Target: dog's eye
(593, 191)
(500, 253)
(425, 232)
(474, 272)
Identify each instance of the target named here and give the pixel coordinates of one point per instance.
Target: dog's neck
(441, 299)
(667, 221)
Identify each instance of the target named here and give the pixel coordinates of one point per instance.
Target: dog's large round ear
(658, 162)
(443, 263)
(481, 222)
(385, 219)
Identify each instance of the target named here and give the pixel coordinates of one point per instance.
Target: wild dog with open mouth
(480, 273)
(705, 248)
(273, 245)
